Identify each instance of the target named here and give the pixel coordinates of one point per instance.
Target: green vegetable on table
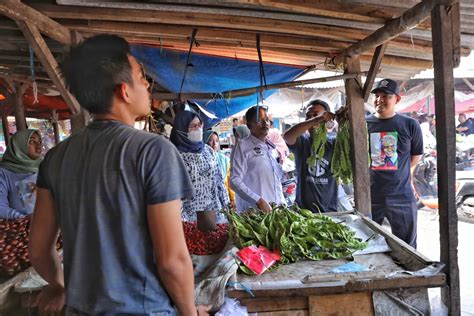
(297, 233)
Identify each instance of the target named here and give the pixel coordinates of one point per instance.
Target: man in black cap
(396, 145)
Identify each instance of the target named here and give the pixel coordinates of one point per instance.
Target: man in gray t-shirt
(115, 193)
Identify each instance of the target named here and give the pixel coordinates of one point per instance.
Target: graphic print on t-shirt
(383, 150)
(316, 173)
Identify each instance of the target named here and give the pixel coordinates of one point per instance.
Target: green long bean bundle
(297, 233)
(341, 164)
(318, 146)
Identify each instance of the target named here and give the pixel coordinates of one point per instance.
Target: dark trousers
(402, 218)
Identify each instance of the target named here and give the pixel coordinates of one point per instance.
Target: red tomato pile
(14, 245)
(205, 243)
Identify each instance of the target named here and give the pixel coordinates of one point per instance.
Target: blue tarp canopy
(211, 74)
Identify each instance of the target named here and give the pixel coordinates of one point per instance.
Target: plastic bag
(232, 307)
(258, 259)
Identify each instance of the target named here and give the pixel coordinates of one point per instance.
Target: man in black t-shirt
(396, 145)
(316, 188)
(466, 126)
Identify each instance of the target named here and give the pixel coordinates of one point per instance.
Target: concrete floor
(428, 244)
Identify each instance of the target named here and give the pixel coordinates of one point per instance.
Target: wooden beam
(392, 29)
(250, 91)
(468, 83)
(441, 18)
(360, 162)
(373, 70)
(82, 118)
(307, 8)
(20, 12)
(49, 63)
(18, 107)
(54, 122)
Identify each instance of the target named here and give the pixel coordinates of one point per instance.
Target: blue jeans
(402, 218)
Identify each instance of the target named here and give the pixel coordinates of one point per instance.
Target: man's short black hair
(318, 102)
(235, 119)
(251, 113)
(94, 68)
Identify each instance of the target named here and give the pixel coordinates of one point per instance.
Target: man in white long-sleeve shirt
(255, 173)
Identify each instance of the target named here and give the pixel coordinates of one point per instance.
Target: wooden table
(309, 288)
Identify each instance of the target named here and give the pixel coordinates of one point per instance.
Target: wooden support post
(54, 121)
(374, 68)
(456, 31)
(50, 64)
(18, 108)
(360, 163)
(6, 129)
(79, 121)
(446, 140)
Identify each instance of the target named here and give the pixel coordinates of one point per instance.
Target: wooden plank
(371, 284)
(468, 83)
(49, 63)
(249, 91)
(18, 11)
(18, 107)
(392, 29)
(274, 304)
(306, 8)
(54, 121)
(446, 141)
(342, 304)
(226, 35)
(285, 313)
(407, 256)
(360, 163)
(373, 70)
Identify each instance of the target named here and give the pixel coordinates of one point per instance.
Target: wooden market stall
(384, 38)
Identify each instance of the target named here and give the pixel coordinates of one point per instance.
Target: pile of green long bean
(297, 233)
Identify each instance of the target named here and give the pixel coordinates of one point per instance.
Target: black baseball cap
(388, 86)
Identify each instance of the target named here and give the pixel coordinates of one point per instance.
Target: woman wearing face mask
(18, 170)
(210, 195)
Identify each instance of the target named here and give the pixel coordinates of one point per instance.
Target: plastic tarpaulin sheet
(211, 74)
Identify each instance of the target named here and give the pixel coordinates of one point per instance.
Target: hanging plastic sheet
(211, 74)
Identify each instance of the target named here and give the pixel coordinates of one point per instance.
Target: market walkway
(428, 244)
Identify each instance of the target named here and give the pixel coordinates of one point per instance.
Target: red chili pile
(205, 243)
(14, 245)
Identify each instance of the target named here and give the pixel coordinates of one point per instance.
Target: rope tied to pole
(192, 40)
(33, 77)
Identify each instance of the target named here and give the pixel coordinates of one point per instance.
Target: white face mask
(195, 136)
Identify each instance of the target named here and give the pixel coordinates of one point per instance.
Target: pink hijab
(275, 137)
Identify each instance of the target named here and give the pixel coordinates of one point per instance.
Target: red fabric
(45, 102)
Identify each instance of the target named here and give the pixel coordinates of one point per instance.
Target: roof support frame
(392, 29)
(49, 63)
(373, 70)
